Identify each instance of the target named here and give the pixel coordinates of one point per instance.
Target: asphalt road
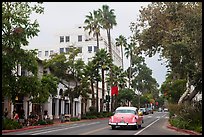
(154, 124)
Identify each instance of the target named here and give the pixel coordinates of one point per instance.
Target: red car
(126, 116)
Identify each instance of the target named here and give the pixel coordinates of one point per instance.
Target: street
(154, 124)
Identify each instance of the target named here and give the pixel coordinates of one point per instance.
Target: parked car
(166, 110)
(143, 110)
(126, 117)
(160, 110)
(150, 110)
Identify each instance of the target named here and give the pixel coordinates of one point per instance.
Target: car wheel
(113, 127)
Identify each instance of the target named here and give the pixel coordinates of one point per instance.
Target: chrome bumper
(123, 124)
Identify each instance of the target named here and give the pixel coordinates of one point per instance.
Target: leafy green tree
(173, 89)
(69, 71)
(142, 76)
(122, 42)
(174, 29)
(17, 28)
(125, 95)
(47, 87)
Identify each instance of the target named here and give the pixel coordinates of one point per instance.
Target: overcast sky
(66, 15)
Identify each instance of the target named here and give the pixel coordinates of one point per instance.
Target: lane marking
(86, 133)
(146, 127)
(53, 130)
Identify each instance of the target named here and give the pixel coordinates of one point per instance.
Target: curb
(40, 126)
(25, 128)
(183, 130)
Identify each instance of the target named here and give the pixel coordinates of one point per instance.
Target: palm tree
(97, 78)
(128, 53)
(93, 25)
(122, 42)
(108, 20)
(119, 80)
(90, 73)
(103, 60)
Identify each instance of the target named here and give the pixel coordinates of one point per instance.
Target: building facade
(87, 44)
(57, 105)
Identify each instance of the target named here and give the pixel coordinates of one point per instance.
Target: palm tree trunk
(93, 97)
(103, 88)
(122, 57)
(130, 71)
(111, 75)
(97, 95)
(97, 40)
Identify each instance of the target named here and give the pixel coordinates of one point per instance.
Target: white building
(76, 37)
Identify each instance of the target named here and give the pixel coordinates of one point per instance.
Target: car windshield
(125, 111)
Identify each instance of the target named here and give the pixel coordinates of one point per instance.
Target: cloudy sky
(66, 15)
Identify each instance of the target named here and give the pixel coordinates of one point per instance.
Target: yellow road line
(86, 133)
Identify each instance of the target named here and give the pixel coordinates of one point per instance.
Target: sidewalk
(56, 122)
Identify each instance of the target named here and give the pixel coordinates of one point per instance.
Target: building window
(95, 48)
(23, 72)
(79, 38)
(51, 52)
(61, 92)
(61, 39)
(80, 49)
(61, 50)
(46, 53)
(67, 38)
(39, 53)
(89, 49)
(66, 50)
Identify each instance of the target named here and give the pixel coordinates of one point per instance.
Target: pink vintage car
(126, 116)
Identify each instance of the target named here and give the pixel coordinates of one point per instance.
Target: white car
(166, 110)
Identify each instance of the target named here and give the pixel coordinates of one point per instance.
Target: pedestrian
(5, 112)
(14, 112)
(16, 117)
